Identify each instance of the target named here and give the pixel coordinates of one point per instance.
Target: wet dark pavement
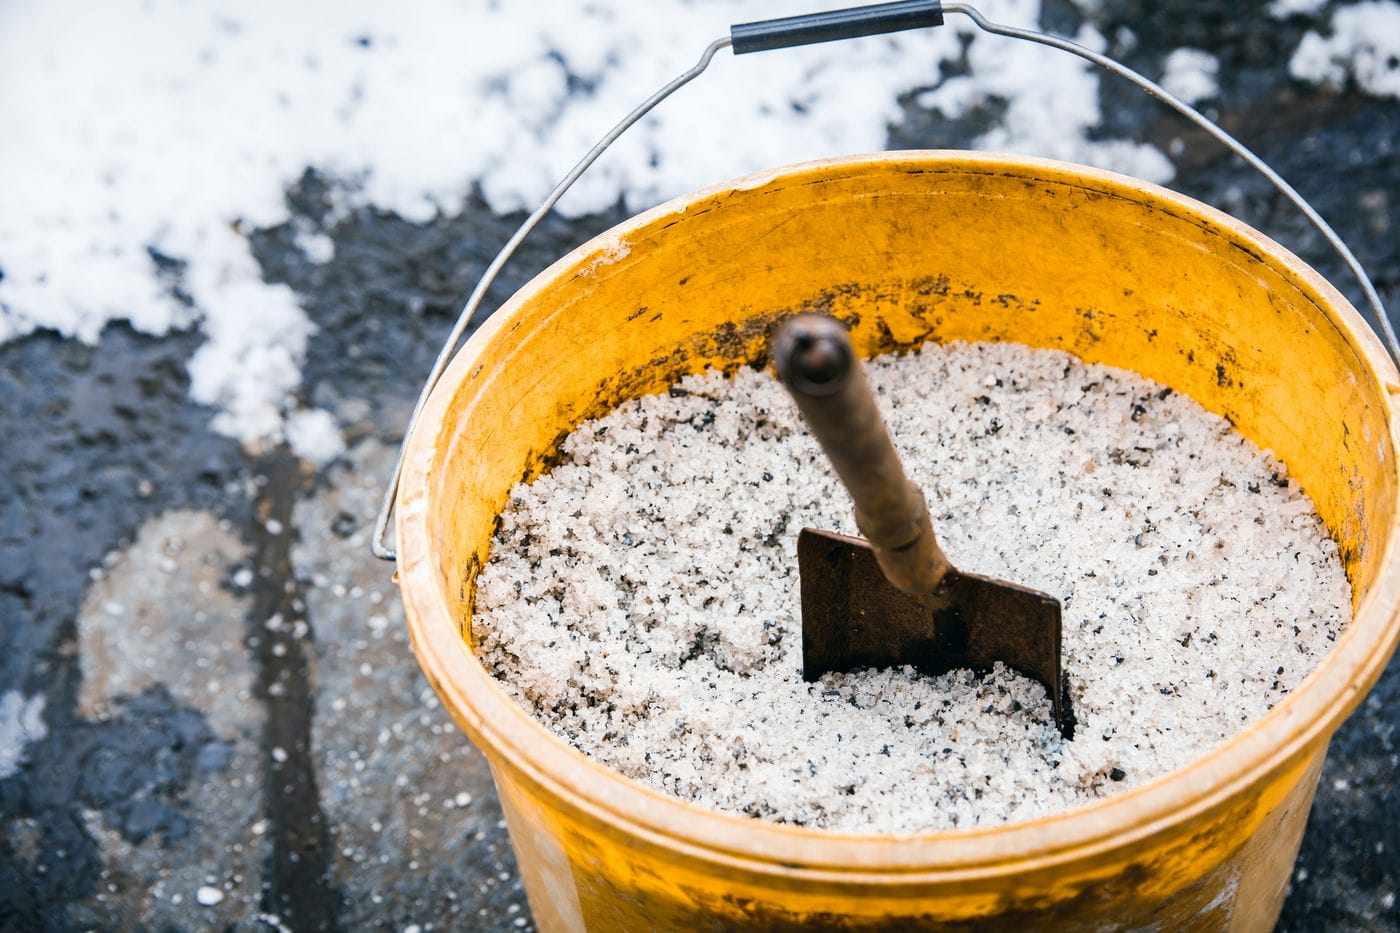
(234, 733)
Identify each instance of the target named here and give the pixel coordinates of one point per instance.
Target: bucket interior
(915, 247)
(909, 247)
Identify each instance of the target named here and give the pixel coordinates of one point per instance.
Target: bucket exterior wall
(909, 247)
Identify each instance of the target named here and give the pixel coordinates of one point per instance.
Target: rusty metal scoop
(894, 599)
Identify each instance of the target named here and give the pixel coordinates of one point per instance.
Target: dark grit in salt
(641, 598)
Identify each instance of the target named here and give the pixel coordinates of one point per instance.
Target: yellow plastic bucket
(910, 247)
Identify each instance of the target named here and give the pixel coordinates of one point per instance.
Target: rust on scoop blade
(852, 618)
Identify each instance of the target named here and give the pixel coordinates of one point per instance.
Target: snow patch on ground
(1052, 100)
(313, 435)
(172, 128)
(1191, 74)
(21, 722)
(1363, 44)
(1282, 9)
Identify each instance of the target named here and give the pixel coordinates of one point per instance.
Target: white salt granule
(642, 598)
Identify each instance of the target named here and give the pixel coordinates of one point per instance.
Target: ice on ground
(151, 126)
(1362, 44)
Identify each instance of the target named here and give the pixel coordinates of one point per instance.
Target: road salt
(642, 597)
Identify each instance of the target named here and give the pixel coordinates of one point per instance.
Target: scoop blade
(854, 618)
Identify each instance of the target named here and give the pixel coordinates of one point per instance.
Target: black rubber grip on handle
(836, 24)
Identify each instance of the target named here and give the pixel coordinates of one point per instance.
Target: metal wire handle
(825, 27)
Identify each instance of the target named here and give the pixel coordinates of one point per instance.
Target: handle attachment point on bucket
(836, 24)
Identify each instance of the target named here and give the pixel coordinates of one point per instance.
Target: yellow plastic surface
(910, 247)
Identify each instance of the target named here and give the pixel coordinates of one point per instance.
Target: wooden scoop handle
(815, 361)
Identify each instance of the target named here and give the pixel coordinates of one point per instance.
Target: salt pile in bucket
(641, 599)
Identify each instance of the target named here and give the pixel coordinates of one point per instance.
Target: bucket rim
(1282, 738)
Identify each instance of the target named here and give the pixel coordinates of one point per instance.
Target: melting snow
(1191, 75)
(1363, 44)
(21, 722)
(173, 129)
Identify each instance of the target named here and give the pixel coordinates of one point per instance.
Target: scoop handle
(819, 368)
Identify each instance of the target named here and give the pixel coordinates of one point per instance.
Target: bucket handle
(825, 27)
